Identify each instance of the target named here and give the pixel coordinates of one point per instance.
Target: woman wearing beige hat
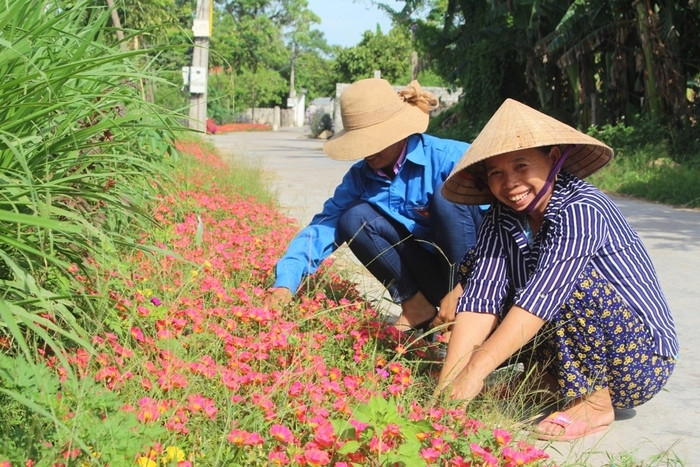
(557, 266)
(388, 208)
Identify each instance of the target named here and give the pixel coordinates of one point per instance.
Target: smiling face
(515, 178)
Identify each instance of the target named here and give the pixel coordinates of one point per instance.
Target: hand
(448, 309)
(463, 388)
(277, 297)
(466, 388)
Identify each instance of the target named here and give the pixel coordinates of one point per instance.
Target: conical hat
(513, 127)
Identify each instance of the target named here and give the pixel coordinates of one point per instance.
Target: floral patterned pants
(596, 341)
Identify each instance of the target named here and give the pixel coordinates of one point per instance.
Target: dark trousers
(404, 264)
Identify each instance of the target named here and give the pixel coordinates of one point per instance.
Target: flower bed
(193, 371)
(229, 127)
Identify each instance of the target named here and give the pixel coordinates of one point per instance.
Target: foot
(416, 313)
(581, 417)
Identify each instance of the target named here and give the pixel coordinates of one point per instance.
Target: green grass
(649, 174)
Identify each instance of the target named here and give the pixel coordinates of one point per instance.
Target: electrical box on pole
(196, 79)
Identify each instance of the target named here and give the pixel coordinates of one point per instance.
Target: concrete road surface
(665, 430)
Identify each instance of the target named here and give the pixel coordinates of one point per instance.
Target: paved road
(303, 178)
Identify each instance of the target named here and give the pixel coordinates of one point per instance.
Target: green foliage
(168, 92)
(626, 137)
(255, 45)
(649, 173)
(221, 100)
(584, 62)
(389, 53)
(45, 419)
(319, 122)
(648, 163)
(264, 88)
(384, 421)
(314, 72)
(79, 151)
(454, 123)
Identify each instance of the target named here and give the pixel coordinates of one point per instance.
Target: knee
(439, 203)
(353, 220)
(445, 210)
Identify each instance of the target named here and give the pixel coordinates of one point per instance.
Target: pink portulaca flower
(501, 436)
(282, 433)
(314, 456)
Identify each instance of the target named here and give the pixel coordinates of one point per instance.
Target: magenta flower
(316, 456)
(430, 455)
(155, 301)
(459, 461)
(282, 433)
(278, 458)
(515, 457)
(502, 437)
(244, 438)
(480, 452)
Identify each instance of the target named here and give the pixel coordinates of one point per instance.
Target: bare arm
(472, 354)
(469, 331)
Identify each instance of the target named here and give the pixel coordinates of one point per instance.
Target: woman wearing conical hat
(389, 207)
(556, 266)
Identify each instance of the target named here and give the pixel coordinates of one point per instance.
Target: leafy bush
(626, 137)
(320, 121)
(456, 123)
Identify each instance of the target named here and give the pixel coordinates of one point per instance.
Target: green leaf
(349, 447)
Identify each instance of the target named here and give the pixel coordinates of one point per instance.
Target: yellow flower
(144, 461)
(173, 453)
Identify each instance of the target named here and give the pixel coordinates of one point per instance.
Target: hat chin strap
(550, 179)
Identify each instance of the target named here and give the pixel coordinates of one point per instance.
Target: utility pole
(200, 65)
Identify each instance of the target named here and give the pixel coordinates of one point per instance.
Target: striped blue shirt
(581, 225)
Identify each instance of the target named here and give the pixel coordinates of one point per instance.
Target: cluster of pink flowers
(215, 365)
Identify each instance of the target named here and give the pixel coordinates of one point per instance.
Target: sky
(344, 21)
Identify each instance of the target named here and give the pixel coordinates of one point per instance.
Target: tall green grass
(79, 152)
(651, 162)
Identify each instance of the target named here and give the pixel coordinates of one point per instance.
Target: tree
(390, 54)
(267, 39)
(579, 60)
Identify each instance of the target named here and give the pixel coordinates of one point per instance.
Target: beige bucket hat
(375, 116)
(513, 127)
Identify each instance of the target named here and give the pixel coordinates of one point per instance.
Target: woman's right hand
(277, 297)
(447, 311)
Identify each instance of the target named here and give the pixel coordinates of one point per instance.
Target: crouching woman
(556, 265)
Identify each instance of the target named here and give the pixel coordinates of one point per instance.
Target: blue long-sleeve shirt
(405, 199)
(581, 226)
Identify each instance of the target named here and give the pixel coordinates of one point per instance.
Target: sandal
(572, 429)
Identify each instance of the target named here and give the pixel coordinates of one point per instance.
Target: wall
(294, 117)
(447, 98)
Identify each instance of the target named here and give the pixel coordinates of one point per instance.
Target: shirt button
(543, 295)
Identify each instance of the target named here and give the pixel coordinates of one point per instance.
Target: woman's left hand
(466, 388)
(463, 388)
